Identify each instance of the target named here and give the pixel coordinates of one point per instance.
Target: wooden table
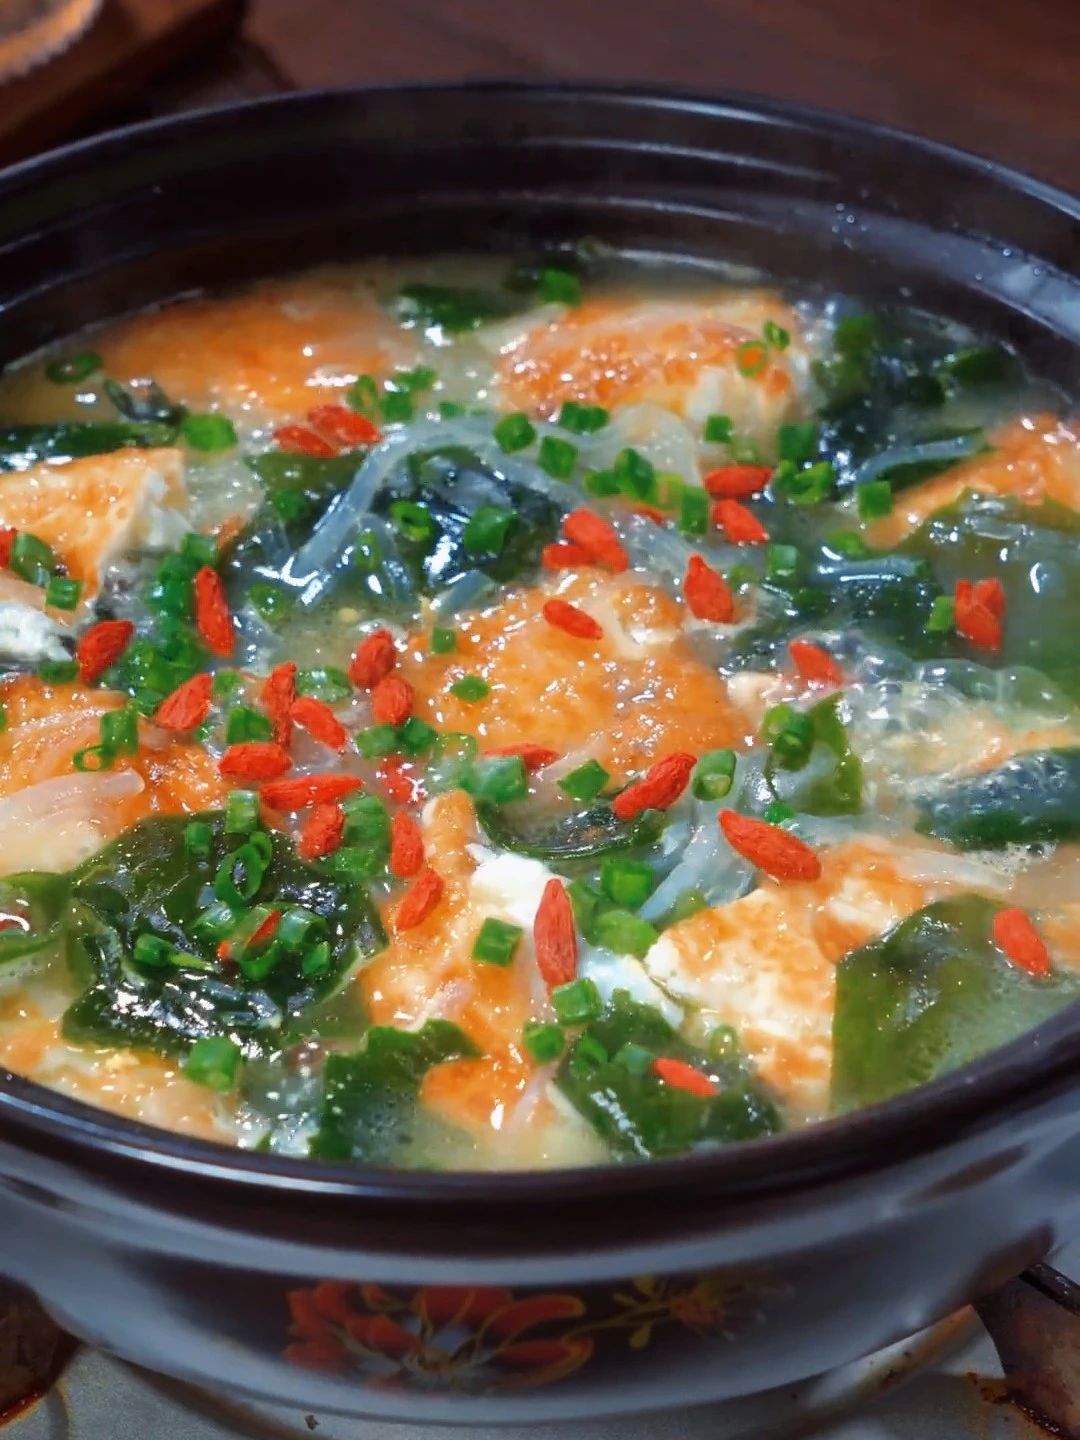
(996, 76)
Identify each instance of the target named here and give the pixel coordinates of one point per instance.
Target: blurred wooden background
(1001, 77)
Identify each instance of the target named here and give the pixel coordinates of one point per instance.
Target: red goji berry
(213, 619)
(101, 646)
(1016, 937)
(533, 757)
(554, 936)
(322, 832)
(406, 845)
(254, 760)
(814, 663)
(374, 660)
(979, 611)
(597, 537)
(682, 1076)
(299, 440)
(564, 556)
(707, 592)
(400, 780)
(419, 901)
(565, 616)
(342, 427)
(740, 525)
(277, 695)
(320, 722)
(392, 701)
(305, 790)
(779, 853)
(7, 539)
(188, 705)
(658, 788)
(736, 482)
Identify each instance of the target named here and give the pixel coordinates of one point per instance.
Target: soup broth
(534, 712)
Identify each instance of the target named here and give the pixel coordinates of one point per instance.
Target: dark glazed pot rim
(986, 1093)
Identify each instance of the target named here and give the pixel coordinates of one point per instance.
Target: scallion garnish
(496, 942)
(586, 782)
(514, 432)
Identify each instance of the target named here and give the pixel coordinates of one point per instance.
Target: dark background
(1001, 77)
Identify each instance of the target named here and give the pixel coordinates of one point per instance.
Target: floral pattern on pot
(485, 1339)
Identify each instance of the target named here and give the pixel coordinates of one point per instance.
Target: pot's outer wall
(483, 1298)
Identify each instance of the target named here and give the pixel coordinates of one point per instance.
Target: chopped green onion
(781, 563)
(874, 499)
(450, 409)
(670, 490)
(120, 731)
(586, 782)
(497, 779)
(544, 1041)
(316, 961)
(635, 474)
(62, 593)
(718, 429)
(214, 1061)
(366, 822)
(208, 432)
(723, 1043)
(225, 685)
(243, 724)
(776, 335)
(798, 442)
(588, 1053)
(751, 357)
(416, 735)
(694, 511)
(559, 287)
(299, 928)
(487, 530)
(241, 873)
(153, 951)
(741, 576)
(791, 733)
(582, 419)
(848, 543)
(556, 457)
(60, 672)
(471, 688)
(587, 902)
(420, 377)
(942, 616)
(376, 741)
(809, 486)
(496, 942)
(367, 552)
(363, 396)
(778, 813)
(272, 603)
(413, 520)
(213, 924)
(70, 369)
(31, 558)
(198, 839)
(241, 812)
(198, 549)
(713, 774)
(3, 718)
(577, 1002)
(397, 407)
(635, 1058)
(326, 683)
(514, 432)
(92, 758)
(623, 932)
(601, 483)
(443, 640)
(628, 883)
